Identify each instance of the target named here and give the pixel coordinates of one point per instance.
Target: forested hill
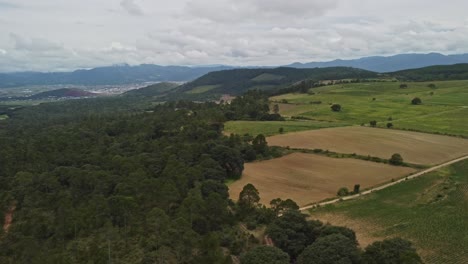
(153, 90)
(238, 81)
(434, 73)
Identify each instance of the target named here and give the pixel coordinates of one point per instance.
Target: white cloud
(56, 34)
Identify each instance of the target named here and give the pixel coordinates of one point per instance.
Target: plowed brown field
(308, 178)
(418, 148)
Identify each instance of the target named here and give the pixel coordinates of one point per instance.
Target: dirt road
(385, 185)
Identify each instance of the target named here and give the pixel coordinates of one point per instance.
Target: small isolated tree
(432, 86)
(281, 130)
(356, 188)
(276, 109)
(260, 144)
(336, 108)
(343, 191)
(265, 255)
(373, 123)
(403, 86)
(249, 196)
(389, 125)
(416, 101)
(391, 251)
(396, 159)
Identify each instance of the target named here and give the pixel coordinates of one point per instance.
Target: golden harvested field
(418, 148)
(308, 178)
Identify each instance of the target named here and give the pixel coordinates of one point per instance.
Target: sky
(62, 35)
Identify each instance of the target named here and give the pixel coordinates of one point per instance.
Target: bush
(343, 191)
(389, 125)
(403, 86)
(336, 108)
(373, 123)
(396, 159)
(281, 130)
(416, 101)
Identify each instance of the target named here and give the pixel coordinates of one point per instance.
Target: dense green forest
(125, 181)
(239, 81)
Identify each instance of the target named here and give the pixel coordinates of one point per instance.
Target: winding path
(351, 197)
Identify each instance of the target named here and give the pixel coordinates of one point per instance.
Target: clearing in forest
(417, 148)
(307, 178)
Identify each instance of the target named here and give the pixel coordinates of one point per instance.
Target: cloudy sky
(49, 35)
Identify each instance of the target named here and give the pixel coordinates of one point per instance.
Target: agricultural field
(414, 147)
(269, 128)
(431, 211)
(386, 102)
(308, 178)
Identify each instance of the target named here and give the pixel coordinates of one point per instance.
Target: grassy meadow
(431, 211)
(443, 109)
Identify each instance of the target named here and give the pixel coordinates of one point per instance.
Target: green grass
(359, 106)
(269, 128)
(431, 211)
(202, 89)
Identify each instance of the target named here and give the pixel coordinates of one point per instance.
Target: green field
(431, 211)
(443, 110)
(202, 89)
(269, 128)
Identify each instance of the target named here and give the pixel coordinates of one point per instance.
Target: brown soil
(418, 148)
(307, 178)
(8, 218)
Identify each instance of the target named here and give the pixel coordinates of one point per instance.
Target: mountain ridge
(384, 64)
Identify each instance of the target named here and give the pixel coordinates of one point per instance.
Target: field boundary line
(412, 176)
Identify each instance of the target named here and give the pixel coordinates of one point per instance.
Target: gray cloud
(131, 7)
(8, 5)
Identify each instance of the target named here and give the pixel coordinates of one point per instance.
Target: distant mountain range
(125, 74)
(390, 64)
(112, 75)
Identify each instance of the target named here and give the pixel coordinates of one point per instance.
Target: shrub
(389, 125)
(373, 123)
(336, 108)
(281, 130)
(396, 159)
(343, 191)
(403, 86)
(416, 101)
